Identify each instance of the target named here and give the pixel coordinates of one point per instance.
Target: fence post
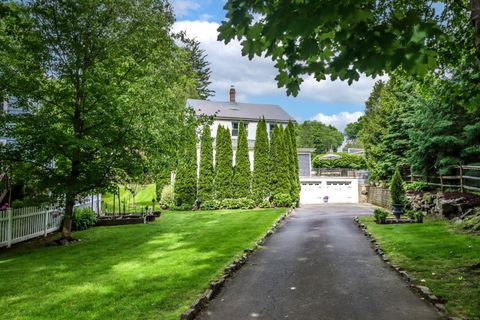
(9, 228)
(45, 225)
(411, 174)
(461, 177)
(441, 183)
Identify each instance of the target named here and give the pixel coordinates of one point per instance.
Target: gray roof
(244, 111)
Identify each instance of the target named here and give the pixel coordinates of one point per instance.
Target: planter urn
(397, 210)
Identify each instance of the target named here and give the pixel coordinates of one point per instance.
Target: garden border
(424, 292)
(216, 286)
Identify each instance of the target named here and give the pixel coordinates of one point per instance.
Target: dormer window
(235, 127)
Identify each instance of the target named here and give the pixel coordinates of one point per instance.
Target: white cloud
(339, 120)
(183, 7)
(257, 77)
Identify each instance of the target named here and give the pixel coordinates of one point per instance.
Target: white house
(230, 113)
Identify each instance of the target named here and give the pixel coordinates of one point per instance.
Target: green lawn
(143, 198)
(446, 261)
(152, 271)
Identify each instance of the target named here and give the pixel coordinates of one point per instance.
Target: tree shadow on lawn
(128, 272)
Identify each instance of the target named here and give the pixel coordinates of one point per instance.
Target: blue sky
(331, 102)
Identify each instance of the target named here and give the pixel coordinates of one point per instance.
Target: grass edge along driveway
(152, 271)
(438, 257)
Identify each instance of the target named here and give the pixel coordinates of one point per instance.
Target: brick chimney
(232, 94)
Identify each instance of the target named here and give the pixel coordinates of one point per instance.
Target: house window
(271, 126)
(235, 127)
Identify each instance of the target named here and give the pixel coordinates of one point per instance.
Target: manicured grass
(437, 256)
(143, 198)
(152, 271)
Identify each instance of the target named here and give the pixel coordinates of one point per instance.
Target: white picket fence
(21, 224)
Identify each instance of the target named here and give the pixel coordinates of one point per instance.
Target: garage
(338, 190)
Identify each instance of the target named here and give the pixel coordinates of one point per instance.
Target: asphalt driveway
(318, 266)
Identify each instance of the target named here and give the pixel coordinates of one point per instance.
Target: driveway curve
(318, 266)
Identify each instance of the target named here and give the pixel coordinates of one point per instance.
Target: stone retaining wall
(378, 196)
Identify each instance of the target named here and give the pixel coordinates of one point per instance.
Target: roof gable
(244, 111)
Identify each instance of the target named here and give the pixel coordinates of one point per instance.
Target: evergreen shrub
(397, 193)
(241, 203)
(282, 200)
(210, 205)
(265, 204)
(348, 161)
(380, 216)
(183, 207)
(83, 219)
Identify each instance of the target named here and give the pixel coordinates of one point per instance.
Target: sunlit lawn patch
(152, 271)
(446, 261)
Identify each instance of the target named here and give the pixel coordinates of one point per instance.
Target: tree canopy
(343, 39)
(314, 134)
(97, 105)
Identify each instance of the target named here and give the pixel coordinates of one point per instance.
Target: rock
(208, 294)
(440, 307)
(457, 220)
(446, 208)
(188, 315)
(424, 290)
(432, 298)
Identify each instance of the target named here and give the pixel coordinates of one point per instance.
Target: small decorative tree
(397, 194)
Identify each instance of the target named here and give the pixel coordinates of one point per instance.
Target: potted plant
(397, 194)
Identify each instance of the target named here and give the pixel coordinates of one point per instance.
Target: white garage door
(336, 190)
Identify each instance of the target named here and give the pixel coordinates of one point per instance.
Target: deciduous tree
(103, 86)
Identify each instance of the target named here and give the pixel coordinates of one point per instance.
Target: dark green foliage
(397, 193)
(417, 186)
(328, 38)
(185, 187)
(314, 134)
(182, 207)
(350, 161)
(293, 162)
(415, 215)
(206, 174)
(261, 163)
(201, 67)
(83, 219)
(282, 200)
(223, 165)
(380, 215)
(239, 203)
(210, 205)
(242, 178)
(280, 163)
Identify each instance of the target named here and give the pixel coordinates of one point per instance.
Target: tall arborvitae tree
(186, 178)
(282, 163)
(223, 165)
(273, 160)
(295, 179)
(242, 177)
(261, 168)
(205, 177)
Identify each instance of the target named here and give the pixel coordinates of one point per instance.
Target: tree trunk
(67, 220)
(476, 23)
